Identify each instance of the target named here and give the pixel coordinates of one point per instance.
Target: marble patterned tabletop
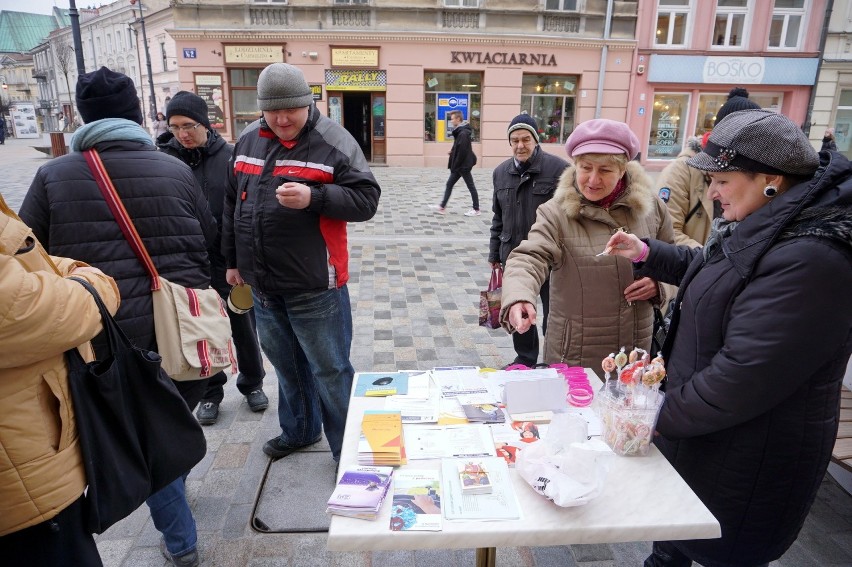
(644, 499)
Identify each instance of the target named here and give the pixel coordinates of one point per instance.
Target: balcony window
(785, 31)
(672, 18)
(550, 100)
(730, 23)
(561, 5)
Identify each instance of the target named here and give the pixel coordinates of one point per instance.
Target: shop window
(243, 98)
(786, 28)
(551, 100)
(710, 103)
(672, 18)
(730, 23)
(451, 91)
(843, 123)
(562, 5)
(667, 127)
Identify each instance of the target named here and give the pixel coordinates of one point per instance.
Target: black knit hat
(737, 100)
(523, 122)
(188, 104)
(106, 94)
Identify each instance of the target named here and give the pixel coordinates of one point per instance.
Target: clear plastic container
(628, 420)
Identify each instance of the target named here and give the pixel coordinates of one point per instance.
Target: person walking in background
(191, 139)
(684, 191)
(2, 130)
(159, 126)
(461, 162)
(43, 315)
(596, 305)
(297, 178)
(521, 184)
(172, 217)
(760, 337)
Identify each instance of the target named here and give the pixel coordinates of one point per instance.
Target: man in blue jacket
(297, 178)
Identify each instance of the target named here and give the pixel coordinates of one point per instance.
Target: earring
(770, 191)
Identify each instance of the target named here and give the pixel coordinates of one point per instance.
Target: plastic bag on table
(565, 466)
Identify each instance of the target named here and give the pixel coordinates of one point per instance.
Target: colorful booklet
(377, 384)
(381, 442)
(360, 492)
(473, 477)
(416, 500)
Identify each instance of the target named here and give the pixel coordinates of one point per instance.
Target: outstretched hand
(522, 316)
(624, 244)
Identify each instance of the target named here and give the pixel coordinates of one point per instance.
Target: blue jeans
(173, 518)
(307, 337)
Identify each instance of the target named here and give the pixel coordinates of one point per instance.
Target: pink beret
(602, 136)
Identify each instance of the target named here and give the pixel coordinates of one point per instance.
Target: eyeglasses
(184, 128)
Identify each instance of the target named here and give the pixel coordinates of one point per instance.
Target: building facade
(692, 52)
(390, 71)
(832, 101)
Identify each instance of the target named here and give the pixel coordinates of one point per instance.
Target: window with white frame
(351, 1)
(561, 5)
(730, 23)
(461, 3)
(269, 1)
(843, 123)
(672, 17)
(785, 31)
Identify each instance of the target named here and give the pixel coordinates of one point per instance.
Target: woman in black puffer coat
(761, 334)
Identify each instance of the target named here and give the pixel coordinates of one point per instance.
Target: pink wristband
(641, 257)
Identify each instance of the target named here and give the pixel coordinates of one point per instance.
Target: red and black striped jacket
(278, 249)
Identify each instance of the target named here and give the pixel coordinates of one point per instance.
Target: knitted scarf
(106, 130)
(721, 230)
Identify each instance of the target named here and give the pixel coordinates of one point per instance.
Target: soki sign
(741, 70)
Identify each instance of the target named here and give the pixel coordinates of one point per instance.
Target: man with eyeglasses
(298, 178)
(521, 184)
(191, 139)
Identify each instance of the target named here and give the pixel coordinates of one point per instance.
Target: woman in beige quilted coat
(596, 305)
(42, 315)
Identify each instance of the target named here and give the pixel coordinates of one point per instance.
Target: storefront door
(362, 113)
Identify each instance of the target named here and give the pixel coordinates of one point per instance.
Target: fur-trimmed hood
(639, 196)
(832, 223)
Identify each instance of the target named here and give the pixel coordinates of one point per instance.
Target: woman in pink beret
(596, 304)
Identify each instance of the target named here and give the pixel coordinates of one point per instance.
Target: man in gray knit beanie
(282, 86)
(298, 179)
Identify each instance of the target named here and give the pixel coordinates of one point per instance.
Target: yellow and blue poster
(446, 103)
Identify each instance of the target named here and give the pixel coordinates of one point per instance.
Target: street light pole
(147, 60)
(75, 33)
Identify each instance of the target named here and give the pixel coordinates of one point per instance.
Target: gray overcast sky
(39, 6)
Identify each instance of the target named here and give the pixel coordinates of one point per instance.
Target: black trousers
(59, 542)
(249, 358)
(665, 554)
(526, 344)
(455, 175)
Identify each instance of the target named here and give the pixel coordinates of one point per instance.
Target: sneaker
(186, 560)
(208, 413)
(257, 400)
(276, 448)
(472, 213)
(438, 209)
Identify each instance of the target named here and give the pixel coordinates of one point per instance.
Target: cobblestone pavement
(416, 276)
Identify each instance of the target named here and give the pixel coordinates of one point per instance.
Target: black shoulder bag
(136, 432)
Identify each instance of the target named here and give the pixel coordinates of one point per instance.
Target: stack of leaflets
(360, 492)
(379, 384)
(473, 477)
(381, 442)
(416, 501)
(499, 504)
(483, 412)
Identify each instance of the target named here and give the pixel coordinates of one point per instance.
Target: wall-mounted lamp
(214, 52)
(313, 55)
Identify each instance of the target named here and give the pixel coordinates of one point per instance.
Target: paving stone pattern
(415, 282)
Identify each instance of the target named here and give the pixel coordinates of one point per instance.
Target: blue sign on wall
(189, 52)
(446, 103)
